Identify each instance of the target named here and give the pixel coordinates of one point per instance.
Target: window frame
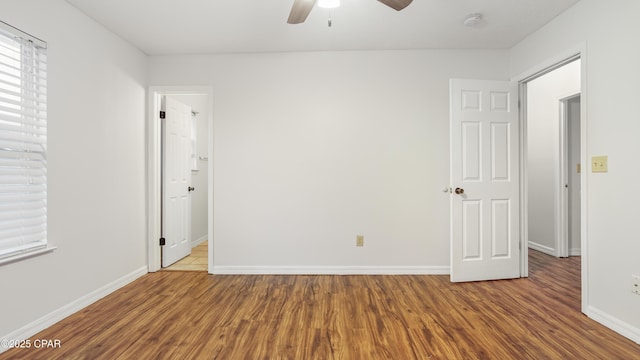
(24, 107)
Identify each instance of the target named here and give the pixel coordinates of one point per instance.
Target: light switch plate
(600, 164)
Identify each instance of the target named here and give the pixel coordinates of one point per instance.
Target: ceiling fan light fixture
(329, 4)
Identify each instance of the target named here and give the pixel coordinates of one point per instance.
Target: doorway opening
(554, 161)
(197, 169)
(197, 260)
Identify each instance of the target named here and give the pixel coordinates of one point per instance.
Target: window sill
(27, 255)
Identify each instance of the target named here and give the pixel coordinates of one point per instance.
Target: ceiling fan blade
(300, 10)
(396, 4)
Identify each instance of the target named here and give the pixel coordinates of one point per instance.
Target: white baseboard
(46, 321)
(542, 248)
(615, 324)
(575, 252)
(199, 241)
(331, 270)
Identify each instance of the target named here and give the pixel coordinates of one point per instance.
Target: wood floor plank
(192, 315)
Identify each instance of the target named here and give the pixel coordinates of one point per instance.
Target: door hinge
(163, 114)
(162, 241)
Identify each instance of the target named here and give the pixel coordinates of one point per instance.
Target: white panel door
(485, 221)
(176, 179)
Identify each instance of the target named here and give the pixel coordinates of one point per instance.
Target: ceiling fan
(301, 8)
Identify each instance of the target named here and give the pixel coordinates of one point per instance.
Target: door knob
(191, 188)
(459, 191)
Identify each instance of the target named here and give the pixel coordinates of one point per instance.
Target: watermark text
(30, 344)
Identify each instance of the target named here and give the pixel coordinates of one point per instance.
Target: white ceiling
(226, 26)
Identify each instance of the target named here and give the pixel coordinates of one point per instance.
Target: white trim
(579, 50)
(542, 248)
(331, 270)
(210, 184)
(562, 178)
(153, 182)
(154, 165)
(27, 254)
(584, 188)
(524, 183)
(627, 330)
(199, 241)
(575, 252)
(15, 31)
(53, 317)
(551, 63)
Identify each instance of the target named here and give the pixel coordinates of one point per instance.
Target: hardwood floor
(193, 315)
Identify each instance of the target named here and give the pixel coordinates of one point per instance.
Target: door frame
(562, 238)
(154, 167)
(562, 58)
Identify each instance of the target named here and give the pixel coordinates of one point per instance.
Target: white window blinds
(23, 145)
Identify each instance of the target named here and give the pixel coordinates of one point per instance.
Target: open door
(485, 187)
(176, 181)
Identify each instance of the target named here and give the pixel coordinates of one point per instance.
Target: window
(23, 145)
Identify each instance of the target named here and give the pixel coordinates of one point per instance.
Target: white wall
(543, 153)
(199, 179)
(96, 165)
(311, 149)
(610, 30)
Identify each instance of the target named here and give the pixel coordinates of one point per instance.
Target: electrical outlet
(359, 240)
(635, 285)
